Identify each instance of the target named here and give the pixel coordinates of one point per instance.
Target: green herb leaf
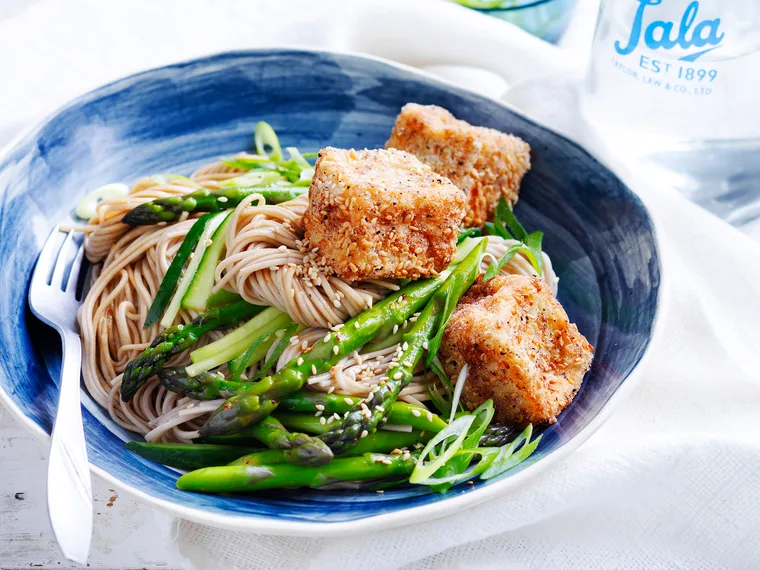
(468, 232)
(451, 294)
(495, 268)
(506, 218)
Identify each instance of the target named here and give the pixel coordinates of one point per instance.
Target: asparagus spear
(243, 409)
(176, 339)
(400, 412)
(365, 418)
(302, 449)
(379, 442)
(496, 436)
(190, 455)
(245, 478)
(170, 208)
(205, 386)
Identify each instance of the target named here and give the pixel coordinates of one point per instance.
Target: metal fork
(53, 298)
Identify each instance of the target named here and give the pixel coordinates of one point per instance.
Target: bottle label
(677, 67)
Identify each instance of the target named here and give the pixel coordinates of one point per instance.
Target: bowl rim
(268, 526)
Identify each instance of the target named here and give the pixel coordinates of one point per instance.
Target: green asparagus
(365, 417)
(176, 339)
(243, 409)
(170, 208)
(245, 478)
(400, 413)
(496, 436)
(205, 386)
(303, 449)
(378, 442)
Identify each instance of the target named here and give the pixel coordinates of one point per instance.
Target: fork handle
(69, 486)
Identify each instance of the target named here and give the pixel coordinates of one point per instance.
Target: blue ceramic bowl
(546, 19)
(175, 118)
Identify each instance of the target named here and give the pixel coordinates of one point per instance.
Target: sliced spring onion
(171, 312)
(297, 157)
(451, 439)
(461, 379)
(252, 179)
(197, 295)
(169, 282)
(249, 162)
(264, 137)
(87, 207)
(464, 248)
(445, 482)
(509, 455)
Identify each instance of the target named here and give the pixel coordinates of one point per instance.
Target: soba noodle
(267, 263)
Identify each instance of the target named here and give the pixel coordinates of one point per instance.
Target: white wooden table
(126, 534)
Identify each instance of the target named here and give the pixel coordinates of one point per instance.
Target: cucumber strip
(243, 334)
(197, 295)
(226, 348)
(169, 282)
(171, 312)
(189, 455)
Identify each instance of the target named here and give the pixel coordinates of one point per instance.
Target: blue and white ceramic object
(173, 119)
(546, 19)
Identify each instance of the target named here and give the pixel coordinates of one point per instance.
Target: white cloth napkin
(669, 482)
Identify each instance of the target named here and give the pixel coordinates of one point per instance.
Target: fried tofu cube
(521, 349)
(381, 214)
(485, 163)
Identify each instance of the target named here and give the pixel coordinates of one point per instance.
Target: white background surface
(669, 482)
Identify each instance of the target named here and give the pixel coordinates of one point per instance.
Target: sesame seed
(416, 413)
(222, 199)
(395, 329)
(313, 369)
(356, 324)
(322, 421)
(327, 337)
(320, 407)
(348, 401)
(387, 461)
(405, 346)
(335, 350)
(299, 361)
(208, 243)
(364, 433)
(331, 390)
(379, 491)
(243, 377)
(430, 416)
(425, 345)
(397, 375)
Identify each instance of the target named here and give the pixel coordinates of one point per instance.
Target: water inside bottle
(672, 89)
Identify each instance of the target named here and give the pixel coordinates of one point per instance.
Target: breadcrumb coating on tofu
(485, 163)
(381, 214)
(521, 348)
